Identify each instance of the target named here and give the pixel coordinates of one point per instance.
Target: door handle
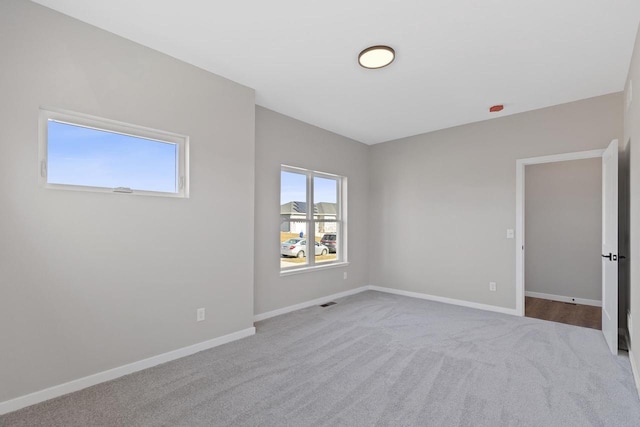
(611, 257)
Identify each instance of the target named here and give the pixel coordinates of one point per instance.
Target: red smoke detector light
(496, 108)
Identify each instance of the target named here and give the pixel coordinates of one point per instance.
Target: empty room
(417, 213)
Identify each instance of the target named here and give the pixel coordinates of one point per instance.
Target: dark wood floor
(572, 314)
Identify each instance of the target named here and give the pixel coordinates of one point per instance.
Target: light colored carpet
(372, 359)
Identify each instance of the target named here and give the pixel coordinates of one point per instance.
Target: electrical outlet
(345, 275)
(492, 286)
(200, 315)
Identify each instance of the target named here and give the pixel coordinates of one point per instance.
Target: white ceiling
(455, 58)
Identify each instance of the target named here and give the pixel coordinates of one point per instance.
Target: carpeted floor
(372, 359)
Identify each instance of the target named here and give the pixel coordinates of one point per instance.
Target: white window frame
(341, 221)
(107, 125)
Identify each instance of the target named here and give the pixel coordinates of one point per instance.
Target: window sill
(82, 188)
(292, 271)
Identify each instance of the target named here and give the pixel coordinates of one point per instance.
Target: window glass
(310, 210)
(325, 197)
(293, 189)
(78, 155)
(325, 190)
(293, 248)
(81, 152)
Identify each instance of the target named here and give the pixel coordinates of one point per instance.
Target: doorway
(563, 225)
(609, 240)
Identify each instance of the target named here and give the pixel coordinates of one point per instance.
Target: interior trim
(519, 246)
(561, 298)
(306, 304)
(469, 304)
(634, 369)
(88, 381)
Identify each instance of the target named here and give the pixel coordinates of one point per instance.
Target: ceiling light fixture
(376, 57)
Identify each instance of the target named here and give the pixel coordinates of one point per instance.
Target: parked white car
(298, 248)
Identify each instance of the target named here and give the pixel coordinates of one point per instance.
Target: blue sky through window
(325, 190)
(78, 155)
(293, 188)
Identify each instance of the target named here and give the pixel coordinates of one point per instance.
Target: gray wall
(632, 135)
(441, 202)
(91, 281)
(563, 228)
(283, 140)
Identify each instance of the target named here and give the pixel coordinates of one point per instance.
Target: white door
(610, 246)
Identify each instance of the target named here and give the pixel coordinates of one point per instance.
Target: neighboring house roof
(322, 208)
(293, 208)
(325, 208)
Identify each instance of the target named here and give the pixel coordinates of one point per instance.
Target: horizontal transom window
(88, 153)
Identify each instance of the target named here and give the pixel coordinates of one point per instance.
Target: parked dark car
(329, 240)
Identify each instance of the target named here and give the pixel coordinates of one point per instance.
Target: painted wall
(283, 140)
(563, 228)
(92, 281)
(441, 202)
(632, 136)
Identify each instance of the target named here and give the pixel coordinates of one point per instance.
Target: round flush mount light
(376, 57)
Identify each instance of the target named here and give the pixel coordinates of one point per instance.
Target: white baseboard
(322, 300)
(445, 300)
(79, 384)
(634, 369)
(561, 298)
(317, 301)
